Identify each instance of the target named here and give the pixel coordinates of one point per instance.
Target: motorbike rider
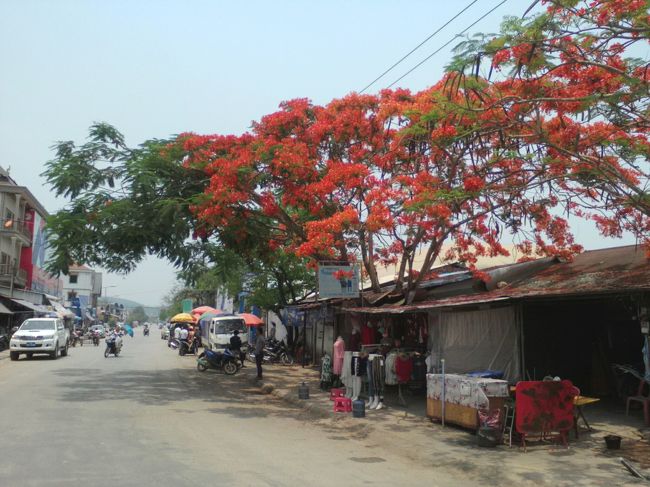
(235, 347)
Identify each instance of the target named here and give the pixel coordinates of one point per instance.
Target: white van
(216, 336)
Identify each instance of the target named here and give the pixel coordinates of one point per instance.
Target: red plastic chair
(336, 392)
(644, 399)
(342, 405)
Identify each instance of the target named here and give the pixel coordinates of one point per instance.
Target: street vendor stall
(461, 397)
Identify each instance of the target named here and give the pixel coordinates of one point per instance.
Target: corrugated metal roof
(595, 272)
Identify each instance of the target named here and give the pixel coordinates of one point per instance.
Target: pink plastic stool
(342, 405)
(334, 393)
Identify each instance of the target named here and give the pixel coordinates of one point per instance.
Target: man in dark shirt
(235, 347)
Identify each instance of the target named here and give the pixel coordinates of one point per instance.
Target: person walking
(259, 351)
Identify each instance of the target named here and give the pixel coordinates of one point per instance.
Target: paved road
(149, 418)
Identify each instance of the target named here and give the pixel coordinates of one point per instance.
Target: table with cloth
(464, 397)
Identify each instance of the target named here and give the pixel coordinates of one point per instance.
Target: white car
(40, 335)
(164, 332)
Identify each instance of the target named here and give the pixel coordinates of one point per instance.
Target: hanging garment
(378, 373)
(391, 376)
(355, 342)
(403, 368)
(326, 369)
(346, 370)
(359, 366)
(368, 335)
(339, 351)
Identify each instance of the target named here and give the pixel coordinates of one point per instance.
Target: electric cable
(417, 47)
(446, 44)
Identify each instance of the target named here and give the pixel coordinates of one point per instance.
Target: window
(73, 278)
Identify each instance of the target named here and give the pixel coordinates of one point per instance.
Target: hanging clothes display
(339, 352)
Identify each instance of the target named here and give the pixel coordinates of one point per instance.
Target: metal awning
(4, 310)
(39, 308)
(61, 310)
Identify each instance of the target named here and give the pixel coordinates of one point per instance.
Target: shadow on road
(223, 394)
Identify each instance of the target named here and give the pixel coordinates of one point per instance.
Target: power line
(446, 44)
(418, 46)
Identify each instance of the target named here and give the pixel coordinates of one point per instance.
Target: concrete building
(81, 288)
(25, 287)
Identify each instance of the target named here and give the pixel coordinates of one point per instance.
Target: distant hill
(152, 311)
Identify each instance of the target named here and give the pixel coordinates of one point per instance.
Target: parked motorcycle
(113, 346)
(274, 352)
(225, 361)
(4, 342)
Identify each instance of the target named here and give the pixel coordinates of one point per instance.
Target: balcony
(17, 228)
(9, 272)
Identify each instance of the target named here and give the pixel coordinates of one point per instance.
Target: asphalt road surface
(148, 418)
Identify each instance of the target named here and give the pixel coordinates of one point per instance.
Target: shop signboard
(187, 305)
(338, 281)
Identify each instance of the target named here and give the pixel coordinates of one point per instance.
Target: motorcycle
(146, 332)
(4, 342)
(274, 352)
(113, 345)
(225, 361)
(95, 339)
(77, 337)
(185, 347)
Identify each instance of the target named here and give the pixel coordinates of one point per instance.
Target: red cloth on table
(403, 368)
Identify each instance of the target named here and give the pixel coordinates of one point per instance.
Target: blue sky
(156, 68)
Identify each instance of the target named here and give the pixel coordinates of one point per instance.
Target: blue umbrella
(128, 329)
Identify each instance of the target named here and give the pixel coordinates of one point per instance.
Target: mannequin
(337, 365)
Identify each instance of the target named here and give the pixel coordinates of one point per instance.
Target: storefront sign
(338, 281)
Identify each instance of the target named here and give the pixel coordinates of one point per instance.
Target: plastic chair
(336, 392)
(643, 399)
(342, 405)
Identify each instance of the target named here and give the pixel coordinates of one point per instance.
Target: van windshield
(38, 325)
(223, 327)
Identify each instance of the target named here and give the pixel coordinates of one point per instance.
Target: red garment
(403, 368)
(368, 335)
(339, 351)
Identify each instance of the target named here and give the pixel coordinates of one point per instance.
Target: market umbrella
(203, 309)
(209, 314)
(182, 318)
(128, 329)
(251, 319)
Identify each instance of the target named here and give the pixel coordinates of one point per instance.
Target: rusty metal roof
(595, 272)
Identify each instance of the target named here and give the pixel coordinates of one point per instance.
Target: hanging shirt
(403, 368)
(355, 342)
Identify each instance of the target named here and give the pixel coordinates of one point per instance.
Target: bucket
(613, 442)
(358, 409)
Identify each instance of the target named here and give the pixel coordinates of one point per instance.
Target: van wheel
(64, 352)
(14, 355)
(54, 355)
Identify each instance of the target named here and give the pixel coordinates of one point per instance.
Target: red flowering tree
(570, 91)
(381, 178)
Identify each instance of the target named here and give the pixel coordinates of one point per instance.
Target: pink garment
(339, 352)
